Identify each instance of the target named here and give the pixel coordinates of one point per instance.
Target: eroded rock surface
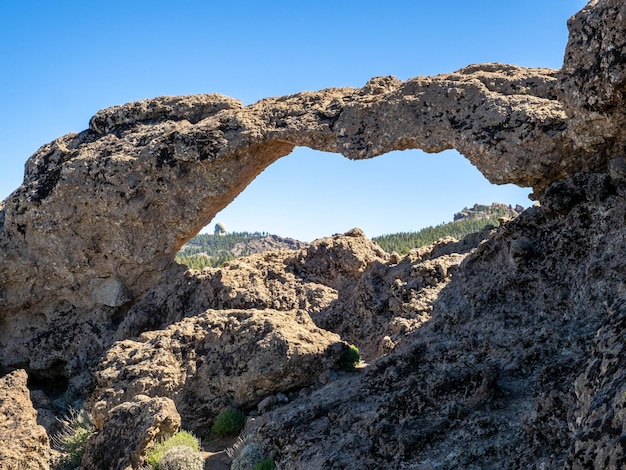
(503, 351)
(174, 162)
(307, 279)
(24, 444)
(592, 81)
(519, 365)
(347, 283)
(392, 298)
(130, 429)
(599, 420)
(216, 360)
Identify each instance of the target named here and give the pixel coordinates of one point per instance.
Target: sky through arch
(311, 194)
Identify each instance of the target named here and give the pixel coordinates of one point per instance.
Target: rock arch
(101, 213)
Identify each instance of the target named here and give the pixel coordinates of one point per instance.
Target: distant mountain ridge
(212, 250)
(478, 211)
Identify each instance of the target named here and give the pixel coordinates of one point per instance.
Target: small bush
(180, 439)
(229, 422)
(72, 439)
(181, 458)
(267, 464)
(351, 357)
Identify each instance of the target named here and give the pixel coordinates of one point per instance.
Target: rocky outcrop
(519, 365)
(592, 82)
(307, 279)
(345, 282)
(599, 421)
(500, 351)
(266, 243)
(496, 209)
(220, 359)
(25, 444)
(130, 430)
(101, 213)
(379, 308)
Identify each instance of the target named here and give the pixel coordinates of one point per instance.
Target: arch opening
(311, 194)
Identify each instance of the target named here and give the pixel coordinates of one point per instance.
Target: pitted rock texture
(599, 421)
(509, 349)
(24, 444)
(519, 365)
(347, 283)
(101, 213)
(592, 81)
(391, 299)
(306, 279)
(131, 429)
(216, 360)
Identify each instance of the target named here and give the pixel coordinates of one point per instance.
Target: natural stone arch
(101, 213)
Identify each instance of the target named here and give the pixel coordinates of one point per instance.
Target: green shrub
(350, 358)
(229, 422)
(181, 458)
(181, 438)
(71, 440)
(267, 464)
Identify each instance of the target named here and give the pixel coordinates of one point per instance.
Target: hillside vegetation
(469, 220)
(212, 250)
(209, 250)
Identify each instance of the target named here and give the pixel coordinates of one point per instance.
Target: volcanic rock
(499, 351)
(84, 235)
(130, 429)
(519, 365)
(25, 444)
(312, 279)
(220, 359)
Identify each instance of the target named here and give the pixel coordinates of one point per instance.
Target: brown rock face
(216, 360)
(25, 444)
(101, 213)
(503, 351)
(131, 428)
(592, 81)
(175, 162)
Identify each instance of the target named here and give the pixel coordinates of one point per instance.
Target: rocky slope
(267, 243)
(503, 350)
(517, 366)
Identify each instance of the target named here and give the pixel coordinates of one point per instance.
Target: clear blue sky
(61, 61)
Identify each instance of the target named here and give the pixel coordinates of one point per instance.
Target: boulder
(317, 278)
(219, 359)
(122, 441)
